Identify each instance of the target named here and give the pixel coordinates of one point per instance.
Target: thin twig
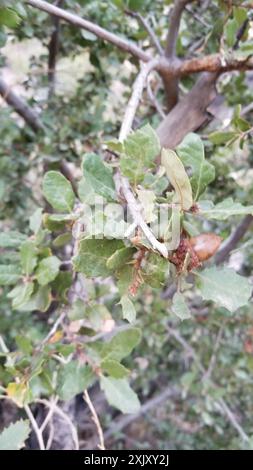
(234, 239)
(95, 418)
(133, 103)
(35, 427)
(20, 106)
(209, 371)
(51, 411)
(102, 33)
(53, 329)
(134, 207)
(66, 418)
(148, 28)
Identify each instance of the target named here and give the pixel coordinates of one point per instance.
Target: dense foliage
(126, 257)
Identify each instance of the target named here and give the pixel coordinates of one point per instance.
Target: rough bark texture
(190, 113)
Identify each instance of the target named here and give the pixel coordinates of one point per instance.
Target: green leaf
(179, 307)
(156, 270)
(128, 309)
(122, 344)
(224, 286)
(120, 258)
(58, 191)
(93, 255)
(61, 285)
(19, 393)
(230, 31)
(99, 176)
(47, 270)
(223, 137)
(9, 274)
(192, 153)
(62, 239)
(114, 369)
(119, 394)
(14, 437)
(11, 239)
(21, 294)
(9, 17)
(86, 191)
(224, 209)
(40, 300)
(28, 256)
(35, 221)
(147, 199)
(140, 150)
(178, 178)
(74, 378)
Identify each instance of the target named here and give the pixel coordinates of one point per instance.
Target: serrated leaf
(9, 274)
(178, 177)
(179, 307)
(223, 210)
(140, 150)
(192, 153)
(47, 270)
(74, 378)
(14, 437)
(128, 309)
(225, 287)
(120, 258)
(93, 255)
(114, 369)
(99, 176)
(58, 191)
(119, 394)
(28, 256)
(11, 239)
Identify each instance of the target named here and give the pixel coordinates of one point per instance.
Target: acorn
(205, 245)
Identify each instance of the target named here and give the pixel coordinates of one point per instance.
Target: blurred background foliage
(93, 81)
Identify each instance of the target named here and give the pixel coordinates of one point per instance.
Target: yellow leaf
(178, 177)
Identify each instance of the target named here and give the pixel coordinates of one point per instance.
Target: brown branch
(102, 33)
(189, 114)
(209, 63)
(20, 106)
(174, 24)
(234, 239)
(171, 82)
(53, 49)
